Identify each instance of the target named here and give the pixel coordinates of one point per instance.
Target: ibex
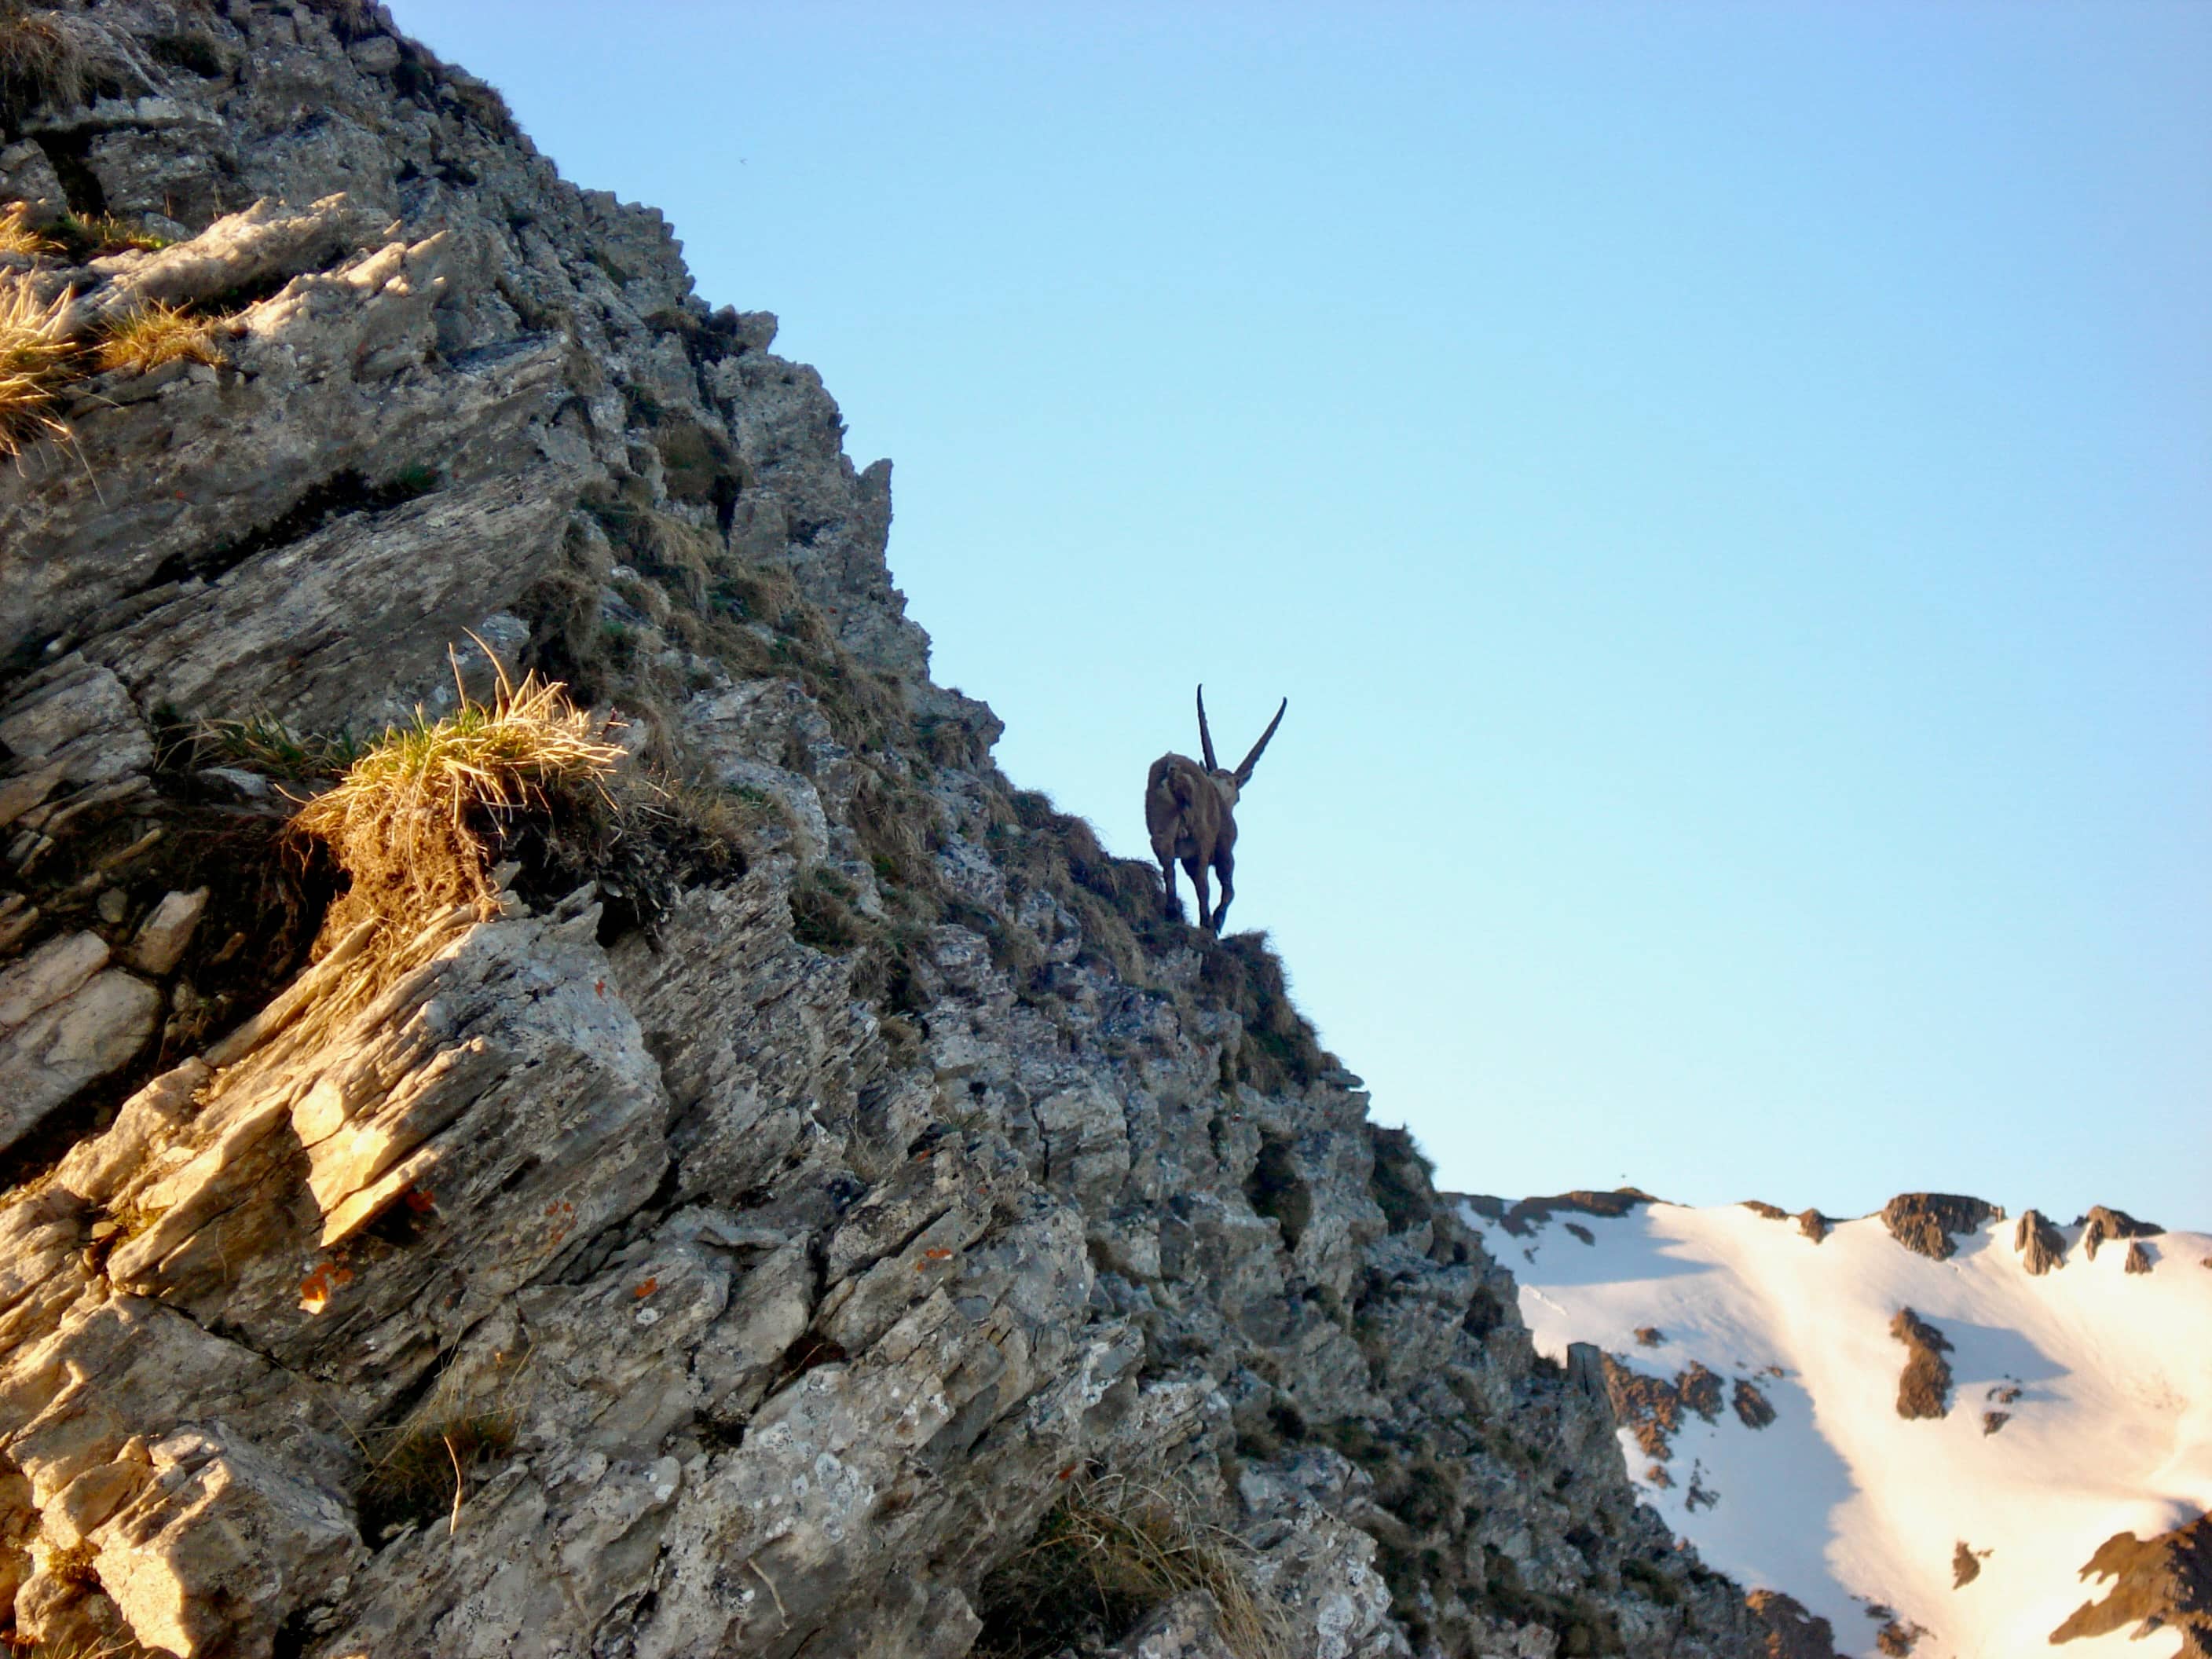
(1191, 810)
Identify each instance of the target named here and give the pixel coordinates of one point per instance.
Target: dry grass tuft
(424, 1467)
(94, 235)
(158, 334)
(36, 357)
(1107, 1553)
(42, 60)
(421, 1471)
(17, 237)
(59, 60)
(409, 820)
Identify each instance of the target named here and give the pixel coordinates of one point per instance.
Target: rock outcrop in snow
(1973, 1424)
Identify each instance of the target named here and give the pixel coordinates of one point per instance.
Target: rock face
(2042, 1247)
(746, 1263)
(2160, 1583)
(2102, 1225)
(1927, 1222)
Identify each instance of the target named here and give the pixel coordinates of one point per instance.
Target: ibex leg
(1168, 887)
(1196, 872)
(1224, 866)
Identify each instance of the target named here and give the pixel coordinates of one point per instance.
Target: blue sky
(1727, 490)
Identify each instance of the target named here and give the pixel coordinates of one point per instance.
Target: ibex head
(1189, 811)
(1229, 783)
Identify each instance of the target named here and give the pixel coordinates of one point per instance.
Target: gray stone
(377, 55)
(160, 943)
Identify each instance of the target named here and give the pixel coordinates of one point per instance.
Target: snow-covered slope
(2103, 1377)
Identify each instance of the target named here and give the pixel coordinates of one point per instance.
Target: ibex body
(1190, 812)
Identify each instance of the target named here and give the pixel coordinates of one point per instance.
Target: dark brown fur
(1188, 821)
(1190, 814)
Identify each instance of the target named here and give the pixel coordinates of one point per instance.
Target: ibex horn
(1206, 736)
(1245, 772)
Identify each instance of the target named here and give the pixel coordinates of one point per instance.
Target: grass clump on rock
(58, 60)
(1104, 1556)
(156, 334)
(42, 60)
(17, 237)
(36, 359)
(414, 818)
(421, 1473)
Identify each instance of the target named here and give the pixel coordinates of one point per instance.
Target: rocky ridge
(688, 1255)
(1969, 1438)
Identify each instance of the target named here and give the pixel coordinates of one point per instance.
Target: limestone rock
(161, 938)
(65, 1018)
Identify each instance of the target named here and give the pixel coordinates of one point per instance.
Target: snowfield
(1842, 1503)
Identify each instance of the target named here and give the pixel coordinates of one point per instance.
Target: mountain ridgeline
(1938, 1430)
